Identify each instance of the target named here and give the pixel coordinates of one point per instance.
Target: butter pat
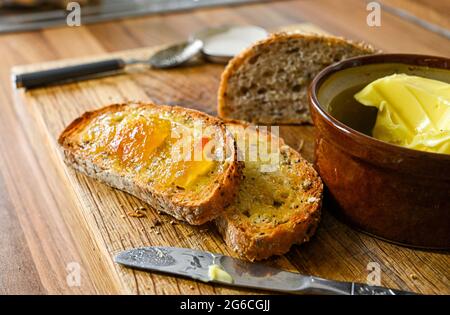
(413, 112)
(215, 272)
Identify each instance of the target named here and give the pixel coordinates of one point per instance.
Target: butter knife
(196, 264)
(172, 56)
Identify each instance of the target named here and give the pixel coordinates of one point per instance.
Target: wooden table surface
(36, 247)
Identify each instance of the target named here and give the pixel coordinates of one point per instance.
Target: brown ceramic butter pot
(395, 193)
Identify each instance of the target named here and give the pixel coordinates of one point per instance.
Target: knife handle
(46, 77)
(317, 285)
(364, 289)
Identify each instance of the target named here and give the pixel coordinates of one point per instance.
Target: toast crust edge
(238, 60)
(195, 212)
(297, 230)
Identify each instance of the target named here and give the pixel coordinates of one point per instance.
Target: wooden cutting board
(335, 252)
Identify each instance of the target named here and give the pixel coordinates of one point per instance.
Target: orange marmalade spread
(142, 145)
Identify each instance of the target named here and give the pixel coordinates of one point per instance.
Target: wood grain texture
(432, 11)
(42, 227)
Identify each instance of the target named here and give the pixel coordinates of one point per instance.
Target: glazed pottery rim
(407, 59)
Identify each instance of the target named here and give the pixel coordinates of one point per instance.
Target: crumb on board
(413, 276)
(156, 222)
(300, 145)
(136, 213)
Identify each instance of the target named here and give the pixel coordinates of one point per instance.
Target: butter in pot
(413, 112)
(406, 110)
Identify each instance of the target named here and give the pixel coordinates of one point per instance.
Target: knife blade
(195, 264)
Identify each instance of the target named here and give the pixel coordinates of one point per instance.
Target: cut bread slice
(275, 207)
(268, 82)
(138, 148)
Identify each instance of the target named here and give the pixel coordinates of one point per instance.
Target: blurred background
(27, 15)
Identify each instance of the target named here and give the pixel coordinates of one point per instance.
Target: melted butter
(413, 112)
(140, 144)
(263, 196)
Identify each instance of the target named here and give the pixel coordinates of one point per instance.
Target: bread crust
(195, 212)
(278, 240)
(223, 109)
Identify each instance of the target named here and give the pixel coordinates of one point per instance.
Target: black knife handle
(45, 77)
(316, 285)
(363, 289)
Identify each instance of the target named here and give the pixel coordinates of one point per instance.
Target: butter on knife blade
(215, 272)
(221, 269)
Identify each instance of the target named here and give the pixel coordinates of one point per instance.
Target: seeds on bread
(273, 210)
(267, 83)
(144, 167)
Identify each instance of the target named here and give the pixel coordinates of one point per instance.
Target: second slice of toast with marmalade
(143, 149)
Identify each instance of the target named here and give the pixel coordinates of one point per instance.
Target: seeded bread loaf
(112, 145)
(275, 207)
(268, 82)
